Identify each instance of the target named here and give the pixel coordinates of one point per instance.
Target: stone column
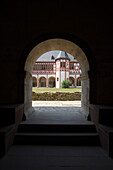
(28, 109)
(37, 81)
(75, 82)
(47, 83)
(85, 93)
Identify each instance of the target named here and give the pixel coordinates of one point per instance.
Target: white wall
(42, 75)
(34, 75)
(67, 74)
(62, 76)
(78, 75)
(51, 75)
(57, 82)
(72, 76)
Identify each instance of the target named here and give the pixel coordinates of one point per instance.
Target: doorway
(51, 82)
(57, 44)
(42, 82)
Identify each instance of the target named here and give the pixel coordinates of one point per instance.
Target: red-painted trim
(39, 62)
(59, 69)
(42, 77)
(47, 81)
(37, 81)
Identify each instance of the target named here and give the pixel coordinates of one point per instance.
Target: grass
(56, 89)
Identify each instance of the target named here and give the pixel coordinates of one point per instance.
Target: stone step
(57, 138)
(78, 128)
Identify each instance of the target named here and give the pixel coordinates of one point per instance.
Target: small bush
(66, 83)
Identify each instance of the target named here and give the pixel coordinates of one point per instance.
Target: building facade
(53, 67)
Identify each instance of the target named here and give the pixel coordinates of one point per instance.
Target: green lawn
(56, 89)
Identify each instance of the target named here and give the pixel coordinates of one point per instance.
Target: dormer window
(52, 57)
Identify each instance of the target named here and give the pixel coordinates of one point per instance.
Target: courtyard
(55, 94)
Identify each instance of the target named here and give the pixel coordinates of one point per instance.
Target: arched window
(52, 57)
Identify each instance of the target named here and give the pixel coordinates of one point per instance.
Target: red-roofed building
(53, 67)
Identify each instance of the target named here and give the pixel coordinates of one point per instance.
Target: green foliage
(66, 83)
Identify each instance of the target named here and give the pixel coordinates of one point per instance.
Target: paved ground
(57, 103)
(56, 158)
(27, 157)
(57, 112)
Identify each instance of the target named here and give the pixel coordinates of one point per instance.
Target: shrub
(66, 83)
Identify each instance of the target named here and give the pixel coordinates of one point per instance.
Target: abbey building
(53, 67)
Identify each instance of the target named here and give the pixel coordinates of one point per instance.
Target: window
(52, 57)
(48, 67)
(72, 66)
(62, 64)
(34, 67)
(40, 67)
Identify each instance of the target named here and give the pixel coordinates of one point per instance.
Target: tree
(66, 83)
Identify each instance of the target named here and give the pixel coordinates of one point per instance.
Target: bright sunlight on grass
(56, 89)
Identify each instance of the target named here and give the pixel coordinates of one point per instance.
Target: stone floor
(57, 112)
(36, 157)
(56, 158)
(57, 103)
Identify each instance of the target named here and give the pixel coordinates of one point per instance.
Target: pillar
(47, 83)
(75, 82)
(37, 81)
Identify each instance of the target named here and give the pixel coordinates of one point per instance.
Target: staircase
(57, 134)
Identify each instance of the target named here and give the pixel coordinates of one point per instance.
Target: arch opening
(63, 45)
(51, 82)
(42, 82)
(34, 82)
(79, 82)
(72, 82)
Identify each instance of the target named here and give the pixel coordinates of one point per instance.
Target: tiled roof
(62, 54)
(48, 56)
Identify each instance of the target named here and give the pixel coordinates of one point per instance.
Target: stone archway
(42, 82)
(34, 82)
(63, 45)
(72, 81)
(79, 81)
(52, 82)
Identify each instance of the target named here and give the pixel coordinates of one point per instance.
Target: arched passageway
(51, 82)
(79, 81)
(34, 82)
(72, 81)
(63, 45)
(42, 82)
